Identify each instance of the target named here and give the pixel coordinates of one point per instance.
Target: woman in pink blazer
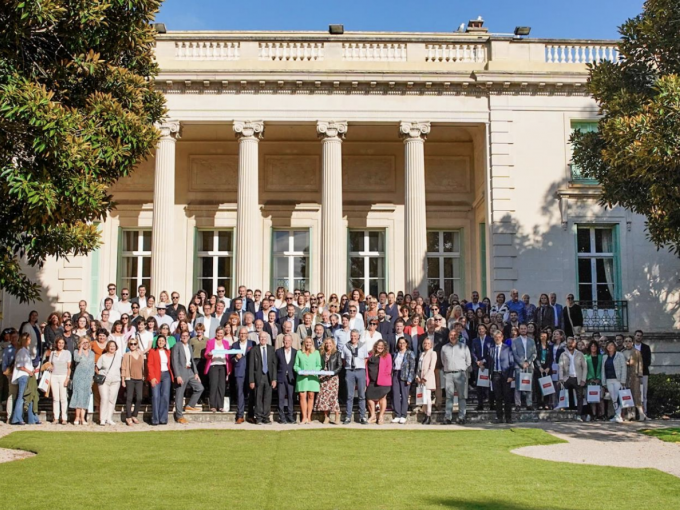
(217, 367)
(378, 380)
(425, 376)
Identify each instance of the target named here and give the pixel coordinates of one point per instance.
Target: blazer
(153, 365)
(384, 371)
(545, 316)
(506, 361)
(239, 367)
(297, 343)
(480, 350)
(385, 328)
(209, 346)
(241, 314)
(333, 364)
(392, 342)
(284, 371)
(619, 366)
(408, 366)
(393, 312)
(214, 324)
(172, 311)
(559, 319)
(520, 356)
(579, 364)
(255, 365)
(429, 361)
(296, 322)
(646, 353)
(179, 362)
(548, 357)
(571, 316)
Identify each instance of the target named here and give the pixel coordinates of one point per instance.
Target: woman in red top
(159, 374)
(415, 328)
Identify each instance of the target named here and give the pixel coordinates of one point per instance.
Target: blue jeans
(399, 395)
(160, 400)
(18, 414)
(356, 378)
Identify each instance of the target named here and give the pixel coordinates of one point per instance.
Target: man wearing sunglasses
(124, 305)
(111, 295)
(175, 307)
(572, 317)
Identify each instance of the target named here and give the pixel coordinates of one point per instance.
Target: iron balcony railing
(605, 316)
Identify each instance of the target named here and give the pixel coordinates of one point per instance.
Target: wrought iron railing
(605, 316)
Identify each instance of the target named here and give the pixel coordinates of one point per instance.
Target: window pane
(432, 286)
(376, 267)
(281, 268)
(585, 292)
(604, 293)
(583, 240)
(225, 282)
(433, 241)
(146, 282)
(224, 240)
(603, 240)
(375, 286)
(301, 241)
(130, 268)
(448, 242)
(302, 283)
(205, 242)
(130, 240)
(224, 267)
(605, 271)
(356, 267)
(432, 267)
(146, 267)
(448, 267)
(375, 241)
(280, 241)
(356, 240)
(300, 267)
(356, 284)
(584, 271)
(146, 240)
(448, 287)
(206, 267)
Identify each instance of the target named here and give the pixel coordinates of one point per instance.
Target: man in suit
(392, 308)
(175, 307)
(222, 318)
(646, 354)
(263, 312)
(186, 374)
(255, 335)
(246, 302)
(480, 350)
(399, 333)
(290, 317)
(512, 323)
(238, 309)
(82, 312)
(209, 322)
(524, 354)
(385, 326)
(140, 298)
(239, 372)
(501, 367)
(557, 308)
(285, 380)
(287, 329)
(262, 376)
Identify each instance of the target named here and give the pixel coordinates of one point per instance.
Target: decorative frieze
(213, 172)
(369, 174)
(291, 173)
(447, 174)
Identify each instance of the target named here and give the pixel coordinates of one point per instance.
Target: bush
(663, 395)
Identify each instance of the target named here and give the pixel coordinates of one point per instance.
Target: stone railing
(455, 52)
(580, 53)
(207, 50)
(374, 52)
(296, 51)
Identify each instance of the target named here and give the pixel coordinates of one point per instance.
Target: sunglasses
(125, 294)
(132, 343)
(112, 288)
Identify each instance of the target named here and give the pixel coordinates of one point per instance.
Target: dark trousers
(133, 389)
(242, 395)
(482, 393)
(200, 364)
(263, 399)
(217, 381)
(572, 384)
(160, 400)
(399, 395)
(286, 391)
(503, 394)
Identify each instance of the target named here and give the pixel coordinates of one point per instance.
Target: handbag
(101, 379)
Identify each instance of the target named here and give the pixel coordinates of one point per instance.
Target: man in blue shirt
(515, 305)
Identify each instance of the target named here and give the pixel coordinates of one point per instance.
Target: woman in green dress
(307, 358)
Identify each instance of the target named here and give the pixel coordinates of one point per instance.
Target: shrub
(663, 395)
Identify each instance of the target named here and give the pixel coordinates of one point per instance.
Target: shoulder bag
(101, 379)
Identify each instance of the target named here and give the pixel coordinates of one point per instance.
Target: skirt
(328, 395)
(375, 392)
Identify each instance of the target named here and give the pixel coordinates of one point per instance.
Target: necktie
(265, 369)
(498, 358)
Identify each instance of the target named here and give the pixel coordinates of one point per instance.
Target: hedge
(663, 396)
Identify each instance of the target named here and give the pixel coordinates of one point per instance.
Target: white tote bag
(563, 402)
(626, 398)
(45, 379)
(593, 395)
(422, 395)
(483, 378)
(547, 386)
(525, 381)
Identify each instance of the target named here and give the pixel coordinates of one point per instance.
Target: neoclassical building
(385, 161)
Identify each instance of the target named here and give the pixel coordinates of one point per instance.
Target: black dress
(373, 391)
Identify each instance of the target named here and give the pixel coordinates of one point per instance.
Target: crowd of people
(390, 352)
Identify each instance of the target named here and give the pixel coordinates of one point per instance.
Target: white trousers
(59, 396)
(613, 386)
(108, 394)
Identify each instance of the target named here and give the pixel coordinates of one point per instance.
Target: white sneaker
(396, 420)
(612, 420)
(618, 419)
(588, 418)
(402, 420)
(578, 418)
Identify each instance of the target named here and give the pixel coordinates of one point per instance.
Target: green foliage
(669, 435)
(77, 113)
(635, 155)
(663, 395)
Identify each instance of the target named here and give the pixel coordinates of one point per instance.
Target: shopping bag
(44, 384)
(547, 386)
(422, 395)
(563, 402)
(525, 381)
(555, 372)
(593, 396)
(626, 398)
(226, 403)
(483, 378)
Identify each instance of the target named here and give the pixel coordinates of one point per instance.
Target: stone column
(333, 233)
(415, 249)
(163, 239)
(248, 217)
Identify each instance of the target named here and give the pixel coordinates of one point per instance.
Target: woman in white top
(144, 337)
(23, 369)
(371, 335)
(109, 365)
(60, 361)
(118, 336)
(128, 329)
(280, 300)
(82, 328)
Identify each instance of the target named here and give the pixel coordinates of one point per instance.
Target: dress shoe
(427, 420)
(530, 408)
(257, 421)
(193, 409)
(460, 421)
(448, 421)
(363, 421)
(239, 420)
(509, 421)
(182, 421)
(346, 421)
(266, 421)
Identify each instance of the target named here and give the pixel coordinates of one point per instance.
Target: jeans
(356, 378)
(59, 396)
(160, 400)
(613, 387)
(455, 382)
(518, 394)
(399, 395)
(133, 387)
(18, 414)
(108, 394)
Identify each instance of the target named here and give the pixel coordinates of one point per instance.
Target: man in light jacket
(524, 354)
(456, 361)
(573, 371)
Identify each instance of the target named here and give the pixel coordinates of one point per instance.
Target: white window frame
(291, 254)
(215, 254)
(593, 256)
(139, 254)
(367, 255)
(442, 255)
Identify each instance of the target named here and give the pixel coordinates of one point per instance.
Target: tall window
(215, 260)
(585, 126)
(291, 259)
(597, 263)
(443, 261)
(367, 260)
(135, 259)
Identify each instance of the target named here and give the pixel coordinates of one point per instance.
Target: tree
(77, 113)
(635, 154)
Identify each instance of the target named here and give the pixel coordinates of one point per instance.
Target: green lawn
(670, 435)
(314, 469)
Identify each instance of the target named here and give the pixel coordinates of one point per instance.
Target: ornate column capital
(169, 129)
(411, 130)
(331, 129)
(249, 129)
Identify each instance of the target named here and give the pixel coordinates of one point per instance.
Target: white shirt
(287, 353)
(524, 344)
(22, 360)
(123, 307)
(102, 304)
(164, 360)
(145, 339)
(114, 315)
(142, 302)
(572, 367)
(187, 354)
(166, 319)
(398, 360)
(226, 301)
(173, 327)
(369, 341)
(638, 346)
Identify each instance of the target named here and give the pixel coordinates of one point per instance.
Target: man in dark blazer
(238, 308)
(239, 371)
(262, 376)
(385, 326)
(290, 316)
(186, 374)
(175, 307)
(285, 380)
(399, 333)
(392, 308)
(246, 302)
(502, 370)
(480, 351)
(646, 354)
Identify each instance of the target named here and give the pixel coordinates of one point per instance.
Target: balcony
(605, 316)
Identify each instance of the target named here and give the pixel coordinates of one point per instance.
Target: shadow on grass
(491, 504)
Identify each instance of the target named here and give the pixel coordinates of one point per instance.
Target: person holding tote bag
(425, 376)
(108, 366)
(614, 375)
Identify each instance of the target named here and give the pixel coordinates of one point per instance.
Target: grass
(670, 435)
(315, 469)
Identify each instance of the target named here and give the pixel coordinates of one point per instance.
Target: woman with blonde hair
(307, 359)
(163, 297)
(280, 300)
(306, 328)
(82, 380)
(454, 314)
(331, 361)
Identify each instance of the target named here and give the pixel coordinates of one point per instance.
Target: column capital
(169, 129)
(331, 129)
(414, 130)
(249, 129)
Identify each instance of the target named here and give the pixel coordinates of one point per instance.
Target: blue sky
(593, 19)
